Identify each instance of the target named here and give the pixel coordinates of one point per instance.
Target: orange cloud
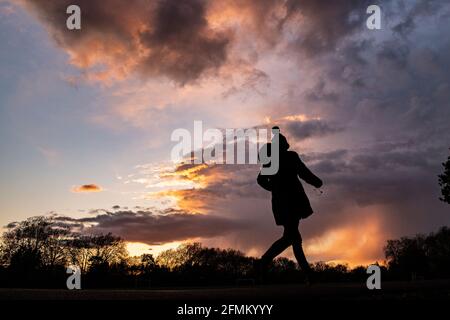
(194, 198)
(357, 243)
(190, 200)
(87, 188)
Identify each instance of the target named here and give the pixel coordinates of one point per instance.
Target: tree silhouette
(25, 259)
(148, 262)
(35, 236)
(45, 242)
(420, 256)
(407, 256)
(444, 182)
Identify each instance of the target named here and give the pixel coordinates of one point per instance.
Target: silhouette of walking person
(289, 203)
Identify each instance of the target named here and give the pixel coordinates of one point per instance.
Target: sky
(86, 118)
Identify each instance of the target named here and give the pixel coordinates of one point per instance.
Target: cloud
(416, 10)
(326, 26)
(6, 9)
(356, 243)
(87, 188)
(182, 45)
(153, 227)
(153, 38)
(314, 128)
(185, 40)
(301, 126)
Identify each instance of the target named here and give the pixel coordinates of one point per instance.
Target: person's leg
(275, 249)
(292, 233)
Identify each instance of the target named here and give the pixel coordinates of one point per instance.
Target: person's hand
(319, 183)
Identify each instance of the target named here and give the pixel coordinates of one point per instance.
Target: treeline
(420, 257)
(36, 252)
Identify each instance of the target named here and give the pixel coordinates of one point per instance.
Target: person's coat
(289, 200)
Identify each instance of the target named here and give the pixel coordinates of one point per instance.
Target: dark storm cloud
(300, 130)
(396, 175)
(394, 55)
(328, 24)
(392, 87)
(320, 25)
(157, 227)
(182, 41)
(112, 21)
(418, 10)
(165, 37)
(176, 39)
(319, 93)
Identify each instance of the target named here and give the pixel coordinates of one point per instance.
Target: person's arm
(264, 181)
(305, 174)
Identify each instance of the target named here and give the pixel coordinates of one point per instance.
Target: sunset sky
(86, 118)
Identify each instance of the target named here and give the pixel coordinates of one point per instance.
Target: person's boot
(310, 277)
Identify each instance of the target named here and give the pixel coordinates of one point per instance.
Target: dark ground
(396, 300)
(423, 290)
